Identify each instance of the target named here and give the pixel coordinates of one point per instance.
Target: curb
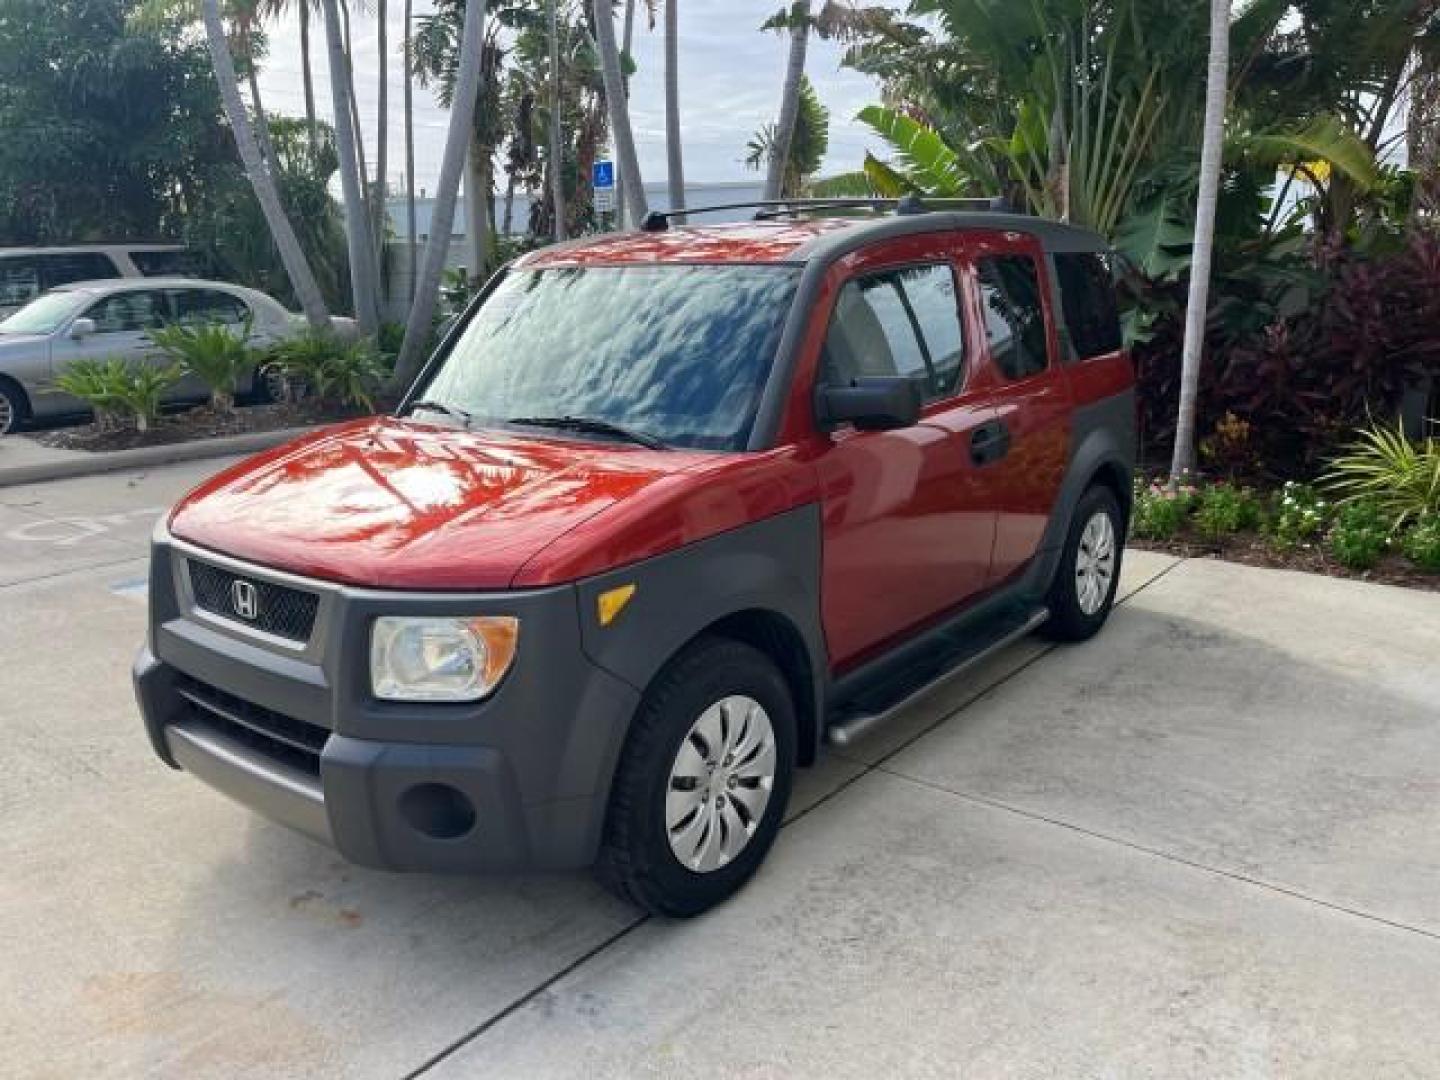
(95, 464)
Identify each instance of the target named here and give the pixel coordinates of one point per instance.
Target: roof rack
(769, 209)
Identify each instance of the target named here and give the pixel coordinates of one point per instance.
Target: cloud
(730, 76)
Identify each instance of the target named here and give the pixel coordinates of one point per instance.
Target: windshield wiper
(591, 425)
(452, 411)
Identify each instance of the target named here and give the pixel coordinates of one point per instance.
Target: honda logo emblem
(245, 599)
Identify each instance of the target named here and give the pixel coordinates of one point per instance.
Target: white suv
(25, 273)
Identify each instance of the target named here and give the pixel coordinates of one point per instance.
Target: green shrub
(1160, 513)
(1298, 516)
(348, 373)
(1223, 509)
(1421, 544)
(1360, 535)
(120, 388)
(1400, 477)
(214, 354)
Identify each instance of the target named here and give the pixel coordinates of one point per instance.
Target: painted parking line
(67, 532)
(135, 588)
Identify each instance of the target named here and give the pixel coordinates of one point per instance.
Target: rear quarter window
(1087, 295)
(1014, 315)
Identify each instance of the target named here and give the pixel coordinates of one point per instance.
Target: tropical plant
(1421, 544)
(1397, 476)
(1360, 535)
(1160, 513)
(214, 354)
(1224, 509)
(808, 145)
(797, 24)
(457, 144)
(343, 373)
(133, 390)
(1298, 517)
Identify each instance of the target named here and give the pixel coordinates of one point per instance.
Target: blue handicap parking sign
(603, 174)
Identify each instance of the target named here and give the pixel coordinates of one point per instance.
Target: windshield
(43, 315)
(677, 353)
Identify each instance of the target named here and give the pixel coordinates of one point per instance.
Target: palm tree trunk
(475, 210)
(1424, 138)
(789, 102)
(356, 125)
(674, 156)
(619, 109)
(292, 256)
(307, 77)
(509, 218)
(1197, 307)
(382, 132)
(410, 217)
(457, 146)
(620, 179)
(557, 172)
(357, 221)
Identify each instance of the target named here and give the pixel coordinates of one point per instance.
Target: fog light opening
(439, 811)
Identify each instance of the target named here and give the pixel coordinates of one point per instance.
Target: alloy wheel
(720, 784)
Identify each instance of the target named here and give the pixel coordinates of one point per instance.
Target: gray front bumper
(529, 769)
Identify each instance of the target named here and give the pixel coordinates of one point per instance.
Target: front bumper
(290, 728)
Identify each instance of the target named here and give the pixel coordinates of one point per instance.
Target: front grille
(291, 742)
(274, 609)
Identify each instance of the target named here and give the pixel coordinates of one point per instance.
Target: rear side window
(81, 266)
(898, 322)
(1014, 314)
(165, 263)
(199, 307)
(19, 281)
(1087, 293)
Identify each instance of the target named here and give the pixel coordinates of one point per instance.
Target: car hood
(389, 503)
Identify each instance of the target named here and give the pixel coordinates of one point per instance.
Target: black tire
(636, 859)
(14, 407)
(1069, 620)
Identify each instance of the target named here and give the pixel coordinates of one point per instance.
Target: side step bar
(847, 730)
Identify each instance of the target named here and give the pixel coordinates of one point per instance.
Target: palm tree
(307, 74)
(357, 220)
(789, 99)
(382, 131)
(262, 180)
(1424, 133)
(619, 109)
(674, 157)
(410, 217)
(557, 172)
(808, 145)
(627, 43)
(457, 144)
(1211, 158)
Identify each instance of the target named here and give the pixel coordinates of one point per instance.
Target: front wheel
(1089, 573)
(701, 788)
(13, 407)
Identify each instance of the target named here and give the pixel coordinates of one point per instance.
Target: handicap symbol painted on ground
(69, 531)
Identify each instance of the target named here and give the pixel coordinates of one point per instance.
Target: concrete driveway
(1206, 844)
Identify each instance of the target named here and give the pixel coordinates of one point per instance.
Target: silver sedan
(104, 319)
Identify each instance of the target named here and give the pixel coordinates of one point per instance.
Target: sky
(730, 75)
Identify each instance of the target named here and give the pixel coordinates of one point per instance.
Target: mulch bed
(1252, 550)
(200, 422)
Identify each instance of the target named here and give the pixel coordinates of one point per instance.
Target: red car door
(1008, 279)
(908, 522)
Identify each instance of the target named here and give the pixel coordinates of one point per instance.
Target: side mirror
(872, 403)
(80, 329)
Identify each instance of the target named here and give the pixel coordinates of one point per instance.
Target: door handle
(989, 443)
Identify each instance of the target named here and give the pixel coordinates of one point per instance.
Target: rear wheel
(1089, 573)
(14, 407)
(703, 782)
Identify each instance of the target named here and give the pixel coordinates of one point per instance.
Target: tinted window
(165, 263)
(898, 322)
(127, 312)
(83, 266)
(19, 281)
(678, 352)
(1087, 294)
(1014, 314)
(198, 307)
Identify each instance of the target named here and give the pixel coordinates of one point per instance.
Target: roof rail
(769, 209)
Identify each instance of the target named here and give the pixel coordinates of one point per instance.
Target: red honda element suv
(666, 512)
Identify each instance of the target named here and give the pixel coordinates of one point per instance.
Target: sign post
(602, 182)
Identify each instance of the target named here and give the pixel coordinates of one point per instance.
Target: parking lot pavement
(1204, 844)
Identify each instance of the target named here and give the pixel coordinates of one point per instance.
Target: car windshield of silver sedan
(664, 355)
(43, 315)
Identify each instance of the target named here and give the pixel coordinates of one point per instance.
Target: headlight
(440, 659)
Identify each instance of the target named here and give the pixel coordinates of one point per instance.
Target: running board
(849, 728)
